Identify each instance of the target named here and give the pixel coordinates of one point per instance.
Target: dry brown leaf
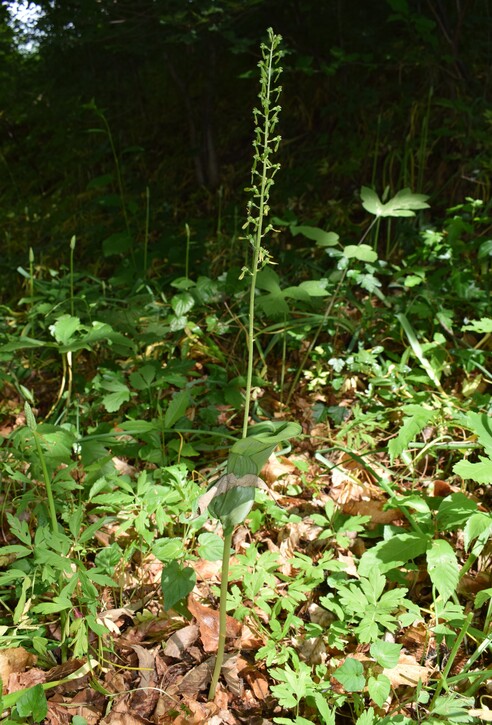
(22, 680)
(197, 678)
(274, 468)
(208, 622)
(14, 660)
(352, 482)
(372, 508)
(180, 641)
(483, 713)
(230, 670)
(407, 672)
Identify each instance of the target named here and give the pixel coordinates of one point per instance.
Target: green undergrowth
(361, 575)
(121, 402)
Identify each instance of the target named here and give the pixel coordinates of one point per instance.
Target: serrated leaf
(327, 713)
(403, 204)
(64, 328)
(483, 326)
(176, 408)
(393, 553)
(113, 401)
(367, 717)
(177, 581)
(32, 703)
(480, 472)
(362, 252)
(412, 425)
(322, 238)
(351, 675)
(379, 689)
(479, 528)
(386, 654)
(454, 511)
(442, 566)
(482, 597)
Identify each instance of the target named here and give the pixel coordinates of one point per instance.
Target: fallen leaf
(233, 663)
(275, 468)
(180, 641)
(483, 713)
(374, 509)
(407, 672)
(208, 622)
(197, 678)
(14, 660)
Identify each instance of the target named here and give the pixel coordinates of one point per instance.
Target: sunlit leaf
(403, 204)
(443, 568)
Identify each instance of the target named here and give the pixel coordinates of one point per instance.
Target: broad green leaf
(362, 252)
(250, 454)
(379, 689)
(454, 511)
(64, 329)
(177, 581)
(315, 287)
(479, 528)
(117, 243)
(416, 418)
(25, 343)
(351, 675)
(403, 204)
(386, 654)
(443, 568)
(393, 553)
(182, 303)
(481, 424)
(480, 472)
(210, 546)
(322, 238)
(167, 549)
(176, 408)
(232, 507)
(32, 703)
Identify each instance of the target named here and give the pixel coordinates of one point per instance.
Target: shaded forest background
(130, 118)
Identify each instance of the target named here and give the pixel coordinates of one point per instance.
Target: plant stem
(224, 584)
(262, 175)
(72, 250)
(47, 482)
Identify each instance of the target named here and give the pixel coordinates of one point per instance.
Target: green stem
(47, 483)
(451, 658)
(72, 250)
(224, 584)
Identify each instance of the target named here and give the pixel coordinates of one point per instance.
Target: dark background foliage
(125, 106)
